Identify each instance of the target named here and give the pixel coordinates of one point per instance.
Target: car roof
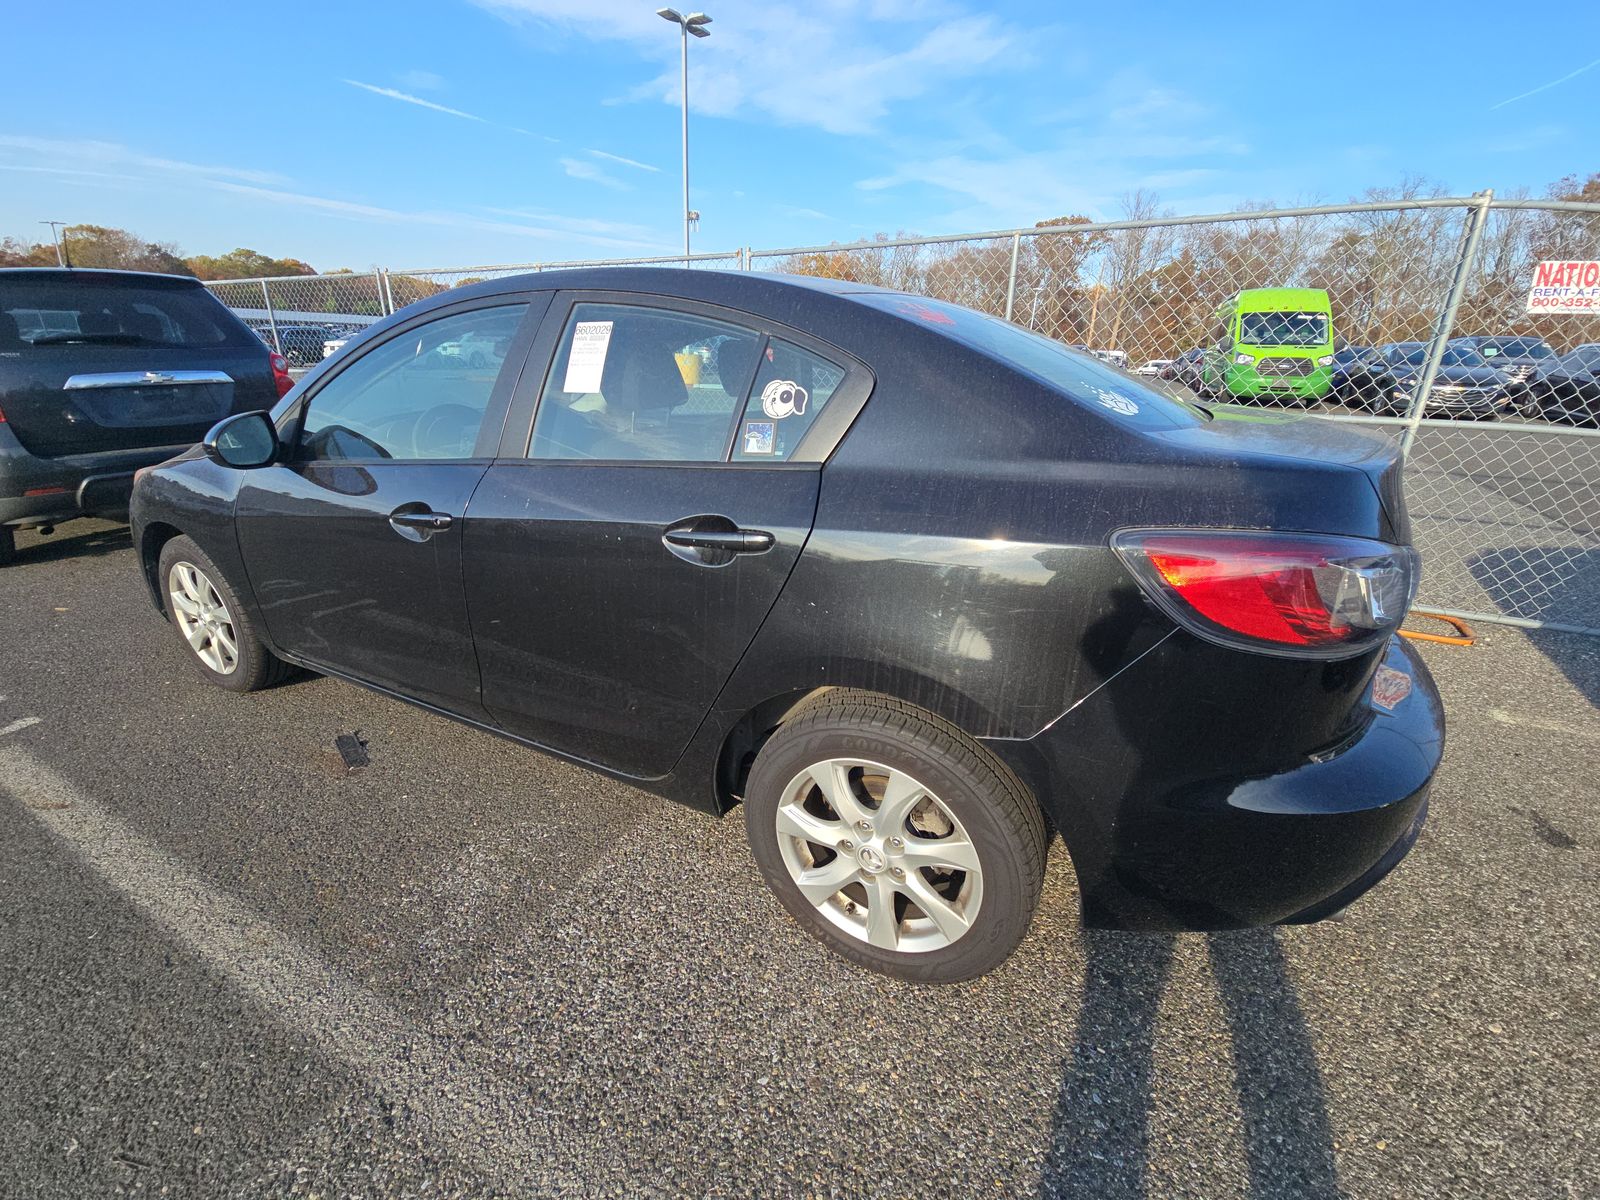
(98, 275)
(752, 290)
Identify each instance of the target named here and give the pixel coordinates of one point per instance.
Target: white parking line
(20, 724)
(1545, 726)
(486, 1124)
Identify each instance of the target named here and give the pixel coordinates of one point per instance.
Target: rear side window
(634, 383)
(60, 312)
(1073, 373)
(792, 386)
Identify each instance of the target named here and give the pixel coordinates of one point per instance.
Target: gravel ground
(229, 965)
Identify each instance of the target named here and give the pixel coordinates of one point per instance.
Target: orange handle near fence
(1462, 637)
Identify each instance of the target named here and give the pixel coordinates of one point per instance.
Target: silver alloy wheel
(879, 855)
(203, 617)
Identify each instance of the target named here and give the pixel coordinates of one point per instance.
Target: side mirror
(243, 441)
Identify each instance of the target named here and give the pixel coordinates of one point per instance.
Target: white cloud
(587, 171)
(831, 64)
(548, 229)
(393, 94)
(809, 214)
(1124, 135)
(422, 81)
(64, 155)
(627, 162)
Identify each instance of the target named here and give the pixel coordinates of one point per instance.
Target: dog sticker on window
(759, 437)
(783, 398)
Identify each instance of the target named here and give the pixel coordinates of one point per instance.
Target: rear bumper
(1157, 846)
(40, 491)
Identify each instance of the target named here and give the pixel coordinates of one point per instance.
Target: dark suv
(104, 372)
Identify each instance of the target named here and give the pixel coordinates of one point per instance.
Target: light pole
(694, 23)
(61, 253)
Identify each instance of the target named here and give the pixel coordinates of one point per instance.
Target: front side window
(631, 383)
(419, 395)
(792, 386)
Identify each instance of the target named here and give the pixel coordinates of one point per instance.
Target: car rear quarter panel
(960, 556)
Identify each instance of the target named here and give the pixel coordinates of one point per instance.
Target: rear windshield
(61, 312)
(1073, 372)
(1527, 347)
(1283, 329)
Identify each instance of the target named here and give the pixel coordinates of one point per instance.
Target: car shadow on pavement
(31, 548)
(1551, 583)
(1099, 1136)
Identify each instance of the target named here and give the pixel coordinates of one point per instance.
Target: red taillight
(1306, 595)
(280, 373)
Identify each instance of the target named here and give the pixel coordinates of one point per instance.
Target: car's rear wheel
(211, 623)
(8, 544)
(895, 839)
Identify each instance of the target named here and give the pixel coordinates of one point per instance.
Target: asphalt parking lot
(232, 965)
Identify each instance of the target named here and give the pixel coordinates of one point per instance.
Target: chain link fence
(1409, 317)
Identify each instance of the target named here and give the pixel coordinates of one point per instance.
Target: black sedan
(1362, 378)
(1567, 389)
(1465, 385)
(904, 580)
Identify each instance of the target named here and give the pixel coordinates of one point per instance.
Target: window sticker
(1116, 402)
(783, 398)
(759, 437)
(586, 364)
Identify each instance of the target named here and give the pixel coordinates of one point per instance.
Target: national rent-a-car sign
(1565, 287)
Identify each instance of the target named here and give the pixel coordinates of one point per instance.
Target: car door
(353, 541)
(618, 566)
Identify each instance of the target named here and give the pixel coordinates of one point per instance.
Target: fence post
(1471, 234)
(1011, 279)
(385, 296)
(272, 318)
(744, 259)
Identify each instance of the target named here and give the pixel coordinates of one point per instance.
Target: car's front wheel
(895, 839)
(212, 624)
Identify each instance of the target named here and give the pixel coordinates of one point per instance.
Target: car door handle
(410, 523)
(735, 541)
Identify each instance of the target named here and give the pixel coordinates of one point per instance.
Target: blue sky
(475, 131)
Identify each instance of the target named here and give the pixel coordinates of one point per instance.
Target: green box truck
(1271, 346)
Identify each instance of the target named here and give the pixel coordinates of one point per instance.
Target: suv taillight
(1297, 594)
(280, 373)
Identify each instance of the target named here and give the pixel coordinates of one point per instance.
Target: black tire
(255, 666)
(999, 816)
(8, 545)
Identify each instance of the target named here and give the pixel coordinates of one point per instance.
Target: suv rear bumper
(1156, 848)
(41, 491)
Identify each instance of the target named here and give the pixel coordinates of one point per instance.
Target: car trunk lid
(101, 398)
(1293, 447)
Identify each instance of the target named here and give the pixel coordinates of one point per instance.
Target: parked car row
(1478, 378)
(307, 345)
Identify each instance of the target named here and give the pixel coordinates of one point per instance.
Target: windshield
(1526, 347)
(65, 312)
(1283, 329)
(1074, 373)
(1454, 356)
